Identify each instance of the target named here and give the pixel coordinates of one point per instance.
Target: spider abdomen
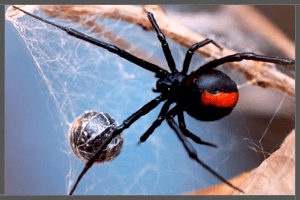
(210, 95)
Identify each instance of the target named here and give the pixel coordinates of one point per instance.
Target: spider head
(170, 84)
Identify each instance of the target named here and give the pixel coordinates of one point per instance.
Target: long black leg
(114, 49)
(163, 42)
(161, 117)
(191, 51)
(246, 56)
(189, 134)
(126, 124)
(190, 149)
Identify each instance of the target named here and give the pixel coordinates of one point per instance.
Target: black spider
(206, 94)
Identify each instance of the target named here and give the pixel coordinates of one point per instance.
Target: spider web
(80, 77)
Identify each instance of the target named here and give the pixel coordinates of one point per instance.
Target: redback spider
(206, 94)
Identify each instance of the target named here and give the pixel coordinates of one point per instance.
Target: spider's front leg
(126, 124)
(112, 48)
(189, 148)
(164, 43)
(161, 117)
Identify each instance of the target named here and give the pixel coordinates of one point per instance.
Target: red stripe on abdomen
(221, 99)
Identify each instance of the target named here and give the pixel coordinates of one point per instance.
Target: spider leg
(191, 51)
(189, 134)
(247, 56)
(112, 48)
(164, 43)
(161, 117)
(126, 124)
(190, 149)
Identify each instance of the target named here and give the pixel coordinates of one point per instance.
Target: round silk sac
(89, 131)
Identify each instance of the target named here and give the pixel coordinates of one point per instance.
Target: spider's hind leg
(247, 56)
(189, 134)
(190, 149)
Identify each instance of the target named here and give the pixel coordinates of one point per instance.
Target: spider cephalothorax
(206, 94)
(171, 85)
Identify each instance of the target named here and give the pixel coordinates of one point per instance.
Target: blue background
(31, 154)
